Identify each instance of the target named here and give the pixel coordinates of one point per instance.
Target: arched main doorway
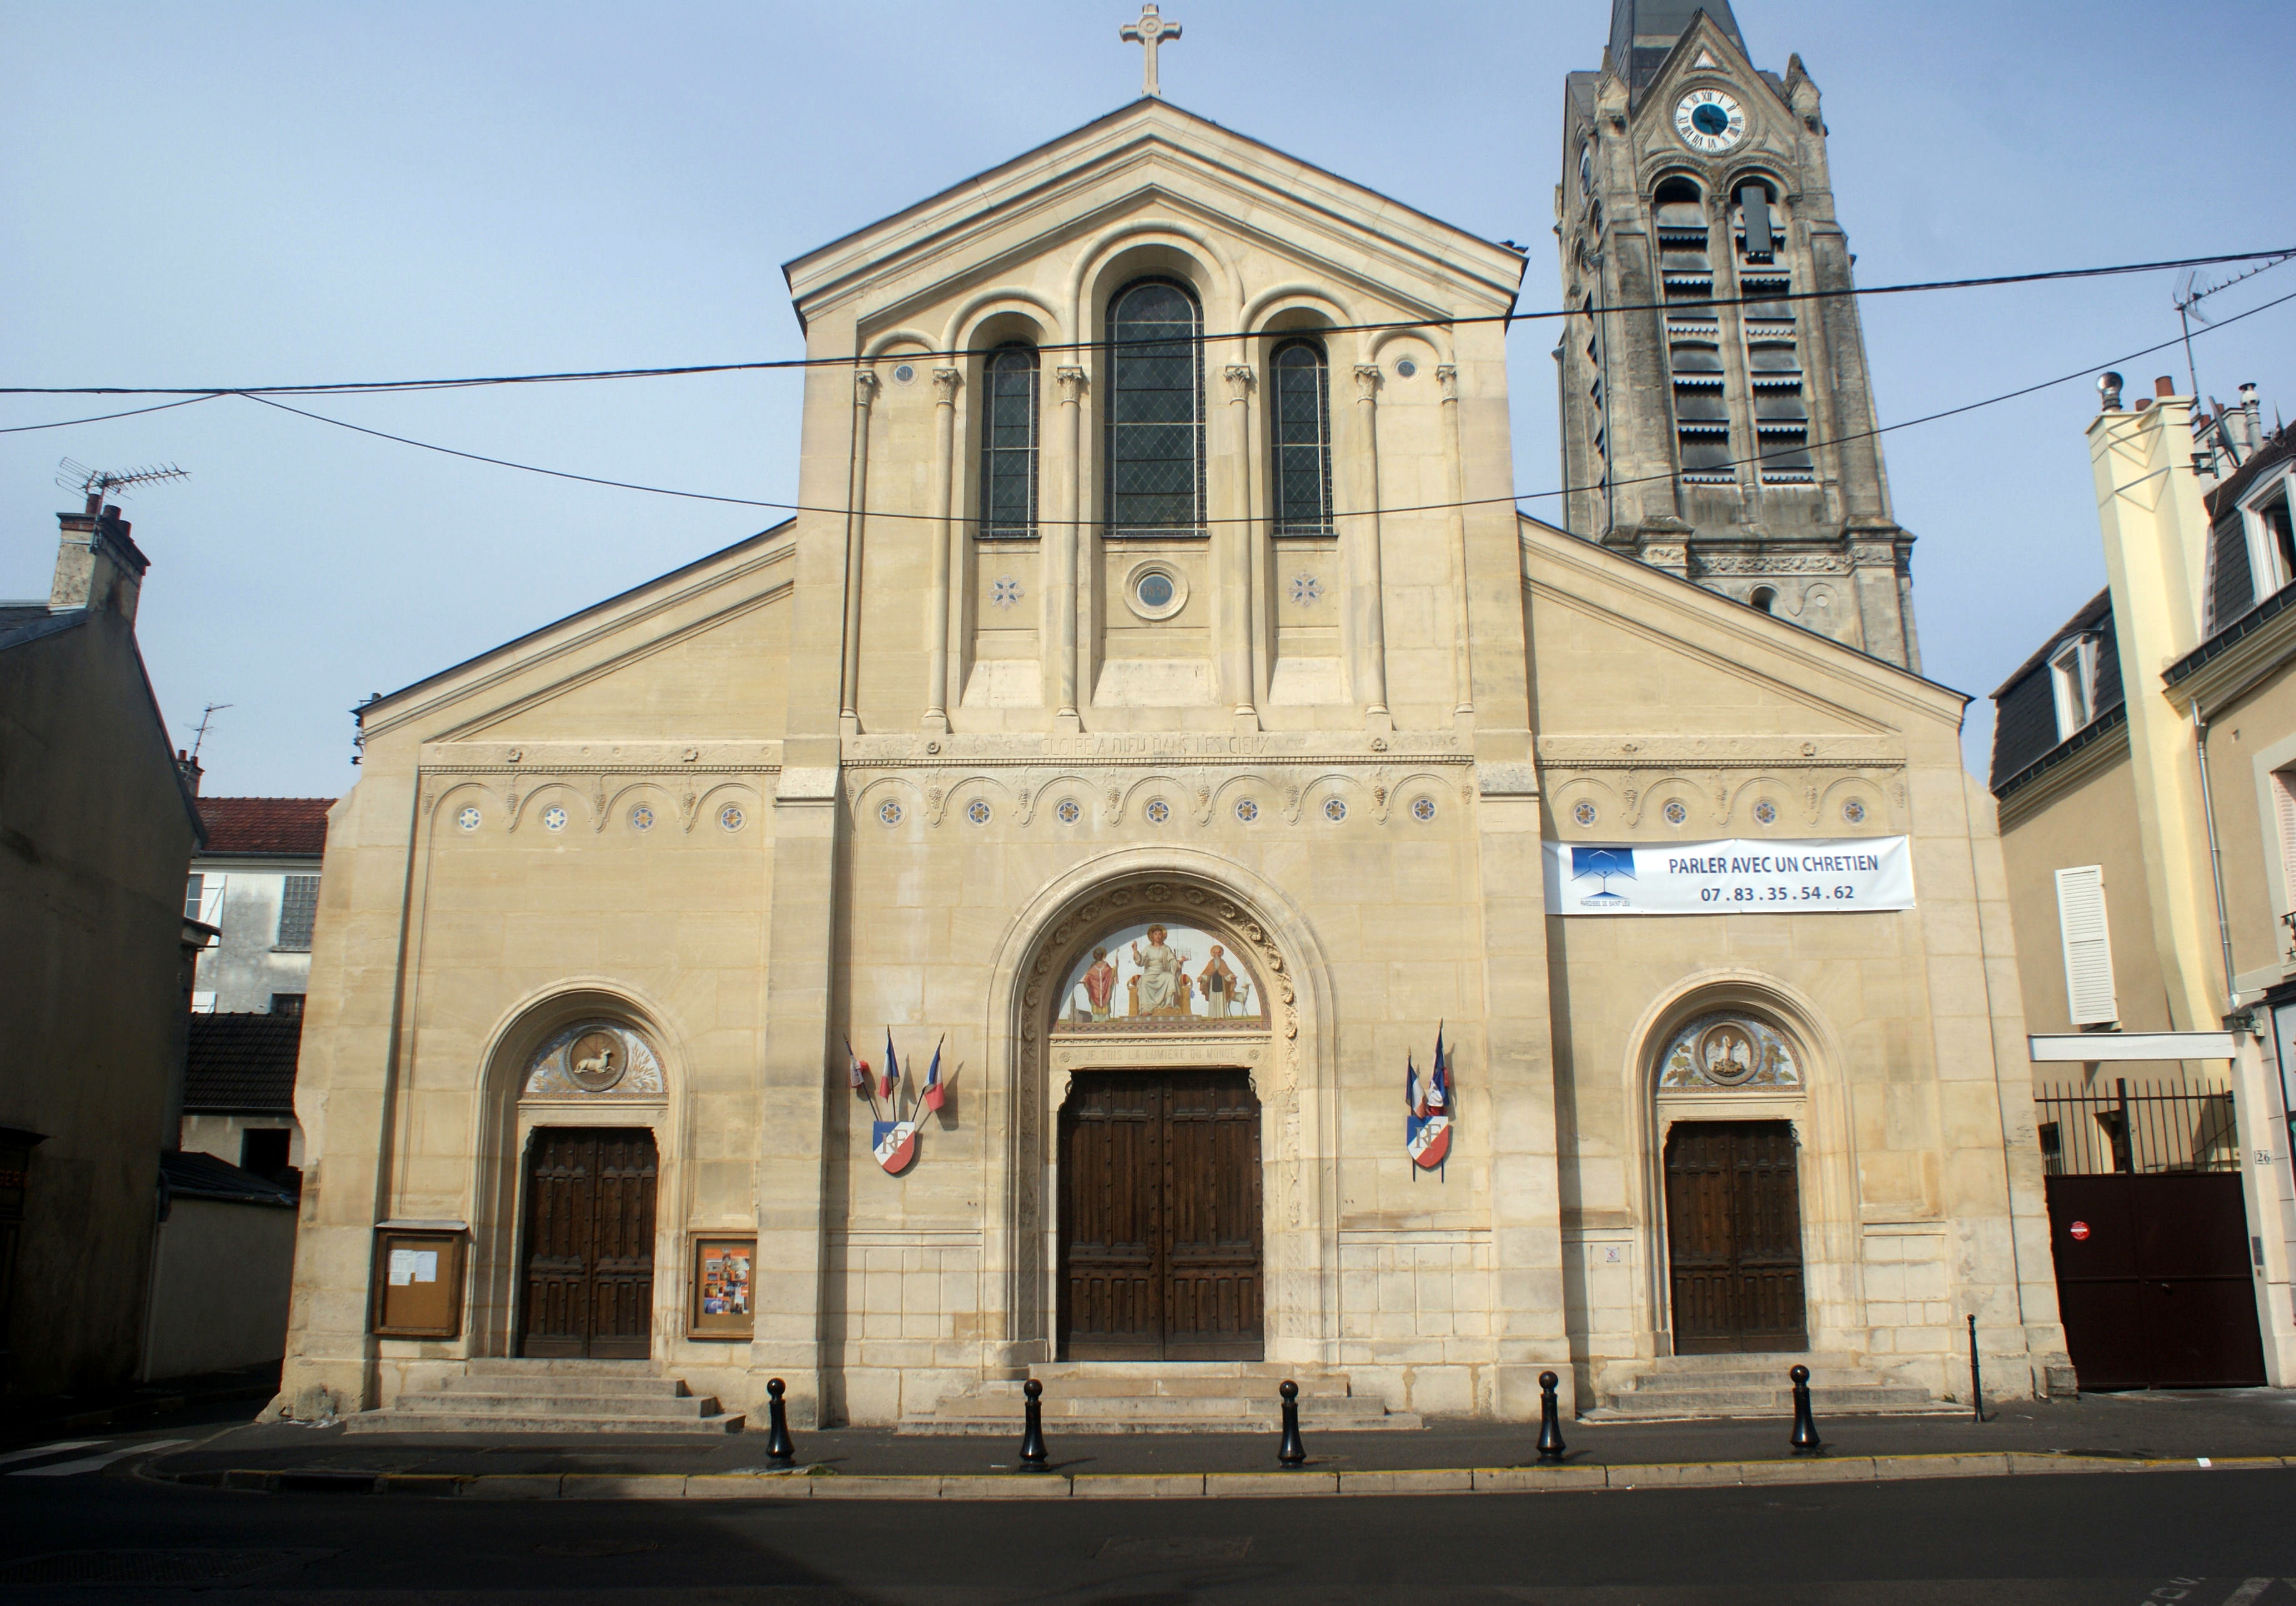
(1159, 1191)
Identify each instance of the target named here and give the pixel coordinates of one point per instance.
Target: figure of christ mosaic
(1156, 976)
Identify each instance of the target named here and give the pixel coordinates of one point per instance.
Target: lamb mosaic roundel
(598, 1060)
(1161, 975)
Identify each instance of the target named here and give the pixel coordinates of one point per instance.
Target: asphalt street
(77, 1523)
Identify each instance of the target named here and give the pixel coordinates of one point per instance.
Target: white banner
(1857, 876)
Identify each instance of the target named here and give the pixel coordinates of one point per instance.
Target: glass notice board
(418, 1283)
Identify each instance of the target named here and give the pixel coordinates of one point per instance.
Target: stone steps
(552, 1396)
(1687, 1387)
(1160, 1398)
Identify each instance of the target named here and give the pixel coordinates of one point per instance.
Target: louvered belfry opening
(1766, 314)
(586, 1271)
(1734, 1237)
(1159, 1217)
(1693, 335)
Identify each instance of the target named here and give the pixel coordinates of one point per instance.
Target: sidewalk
(2094, 1433)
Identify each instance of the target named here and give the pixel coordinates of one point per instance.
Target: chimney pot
(2143, 402)
(2164, 386)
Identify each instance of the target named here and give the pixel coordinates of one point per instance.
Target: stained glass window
(1008, 444)
(1155, 413)
(1301, 417)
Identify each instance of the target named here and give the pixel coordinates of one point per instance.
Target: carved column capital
(1238, 376)
(1071, 383)
(1447, 375)
(1366, 382)
(944, 381)
(864, 386)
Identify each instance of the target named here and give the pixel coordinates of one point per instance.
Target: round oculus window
(1155, 590)
(468, 819)
(904, 373)
(642, 818)
(554, 819)
(1407, 368)
(1069, 812)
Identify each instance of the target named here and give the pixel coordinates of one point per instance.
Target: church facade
(1161, 726)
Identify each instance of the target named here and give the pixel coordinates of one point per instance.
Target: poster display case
(722, 1304)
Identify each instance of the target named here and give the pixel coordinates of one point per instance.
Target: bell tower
(1716, 423)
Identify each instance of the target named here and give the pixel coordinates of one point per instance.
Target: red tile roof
(280, 825)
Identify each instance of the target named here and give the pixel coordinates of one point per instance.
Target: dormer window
(2072, 673)
(2271, 534)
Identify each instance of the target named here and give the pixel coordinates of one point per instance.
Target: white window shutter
(211, 900)
(2283, 795)
(2088, 945)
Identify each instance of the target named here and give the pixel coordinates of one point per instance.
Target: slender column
(1061, 544)
(943, 527)
(1454, 478)
(857, 505)
(1233, 539)
(1366, 588)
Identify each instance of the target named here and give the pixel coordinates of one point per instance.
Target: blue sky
(250, 194)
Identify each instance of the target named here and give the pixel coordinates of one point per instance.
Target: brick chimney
(187, 765)
(97, 566)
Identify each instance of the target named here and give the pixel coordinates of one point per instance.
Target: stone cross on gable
(1148, 33)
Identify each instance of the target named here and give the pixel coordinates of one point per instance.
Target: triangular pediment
(699, 653)
(1618, 646)
(1153, 154)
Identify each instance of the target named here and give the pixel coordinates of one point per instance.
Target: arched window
(1008, 444)
(1301, 420)
(1155, 411)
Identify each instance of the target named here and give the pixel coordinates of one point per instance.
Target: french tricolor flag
(934, 1094)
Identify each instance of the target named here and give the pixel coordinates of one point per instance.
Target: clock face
(1710, 120)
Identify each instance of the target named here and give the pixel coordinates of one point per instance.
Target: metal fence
(2155, 1126)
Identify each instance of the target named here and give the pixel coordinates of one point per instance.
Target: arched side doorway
(1747, 1176)
(575, 1160)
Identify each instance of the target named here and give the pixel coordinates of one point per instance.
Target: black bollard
(1806, 1441)
(780, 1452)
(1976, 1380)
(1033, 1458)
(1550, 1419)
(1291, 1453)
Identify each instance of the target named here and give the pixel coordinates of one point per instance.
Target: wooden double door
(1160, 1222)
(1733, 1237)
(586, 1267)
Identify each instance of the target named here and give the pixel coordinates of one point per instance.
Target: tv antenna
(206, 716)
(97, 483)
(2191, 292)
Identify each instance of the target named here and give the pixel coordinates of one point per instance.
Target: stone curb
(1171, 1485)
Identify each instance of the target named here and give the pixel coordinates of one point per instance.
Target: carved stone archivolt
(1273, 1055)
(600, 784)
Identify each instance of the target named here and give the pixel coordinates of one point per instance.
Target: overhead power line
(374, 387)
(798, 507)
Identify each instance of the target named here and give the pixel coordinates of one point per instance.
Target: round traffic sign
(2080, 1230)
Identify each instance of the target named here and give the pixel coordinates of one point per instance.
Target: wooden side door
(1734, 1237)
(1111, 1157)
(587, 1276)
(1212, 1218)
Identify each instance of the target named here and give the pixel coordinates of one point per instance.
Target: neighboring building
(1720, 422)
(239, 1093)
(96, 828)
(258, 881)
(1181, 732)
(2144, 765)
(221, 1270)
